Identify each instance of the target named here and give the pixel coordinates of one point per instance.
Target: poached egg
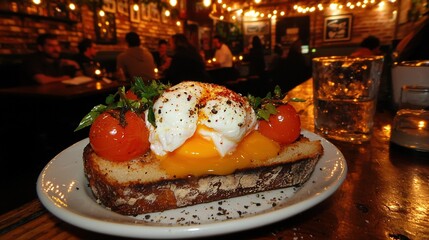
(201, 128)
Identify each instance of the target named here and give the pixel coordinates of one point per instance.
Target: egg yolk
(198, 156)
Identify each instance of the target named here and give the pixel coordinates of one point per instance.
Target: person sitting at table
(222, 55)
(136, 61)
(370, 46)
(162, 60)
(224, 70)
(186, 62)
(47, 65)
(85, 57)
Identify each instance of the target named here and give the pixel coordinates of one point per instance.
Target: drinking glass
(345, 96)
(410, 126)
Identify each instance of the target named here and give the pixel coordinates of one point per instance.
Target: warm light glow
(97, 72)
(167, 13)
(421, 124)
(178, 23)
(234, 17)
(257, 1)
(37, 2)
(282, 13)
(214, 59)
(173, 3)
(155, 70)
(101, 13)
(207, 3)
(72, 6)
(219, 1)
(135, 7)
(221, 17)
(381, 5)
(224, 5)
(240, 58)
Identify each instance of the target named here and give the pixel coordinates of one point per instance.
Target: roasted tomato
(283, 127)
(131, 95)
(119, 140)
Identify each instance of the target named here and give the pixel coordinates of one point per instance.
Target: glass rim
(346, 58)
(414, 63)
(415, 88)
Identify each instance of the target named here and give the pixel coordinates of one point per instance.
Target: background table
(385, 196)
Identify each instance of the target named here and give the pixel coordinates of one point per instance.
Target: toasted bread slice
(141, 186)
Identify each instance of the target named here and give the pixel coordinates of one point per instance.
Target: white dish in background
(63, 190)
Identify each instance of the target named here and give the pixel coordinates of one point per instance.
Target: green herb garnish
(266, 106)
(147, 94)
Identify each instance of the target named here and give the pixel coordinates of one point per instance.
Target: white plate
(63, 190)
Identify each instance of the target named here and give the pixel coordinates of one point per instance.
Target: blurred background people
(136, 61)
(161, 58)
(256, 58)
(370, 46)
(85, 57)
(274, 64)
(223, 54)
(294, 69)
(186, 62)
(224, 68)
(47, 65)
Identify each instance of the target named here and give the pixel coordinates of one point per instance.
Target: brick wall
(18, 33)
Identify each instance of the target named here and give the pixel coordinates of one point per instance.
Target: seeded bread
(141, 186)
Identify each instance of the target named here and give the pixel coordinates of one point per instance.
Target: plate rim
(137, 230)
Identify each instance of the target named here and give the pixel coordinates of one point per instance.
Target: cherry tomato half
(115, 142)
(131, 95)
(283, 127)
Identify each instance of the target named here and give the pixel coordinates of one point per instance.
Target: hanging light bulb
(173, 3)
(72, 6)
(37, 2)
(167, 13)
(207, 3)
(135, 7)
(101, 13)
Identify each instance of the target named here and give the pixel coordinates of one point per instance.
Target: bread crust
(125, 190)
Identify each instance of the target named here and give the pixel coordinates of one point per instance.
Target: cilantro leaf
(146, 92)
(91, 116)
(266, 106)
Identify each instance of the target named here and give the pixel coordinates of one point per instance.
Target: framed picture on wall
(109, 6)
(164, 18)
(135, 13)
(123, 7)
(154, 12)
(337, 28)
(262, 29)
(144, 11)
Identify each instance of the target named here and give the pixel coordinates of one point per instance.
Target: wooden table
(385, 196)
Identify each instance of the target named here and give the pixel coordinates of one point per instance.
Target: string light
(219, 12)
